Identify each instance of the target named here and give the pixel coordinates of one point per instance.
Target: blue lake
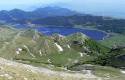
(94, 34)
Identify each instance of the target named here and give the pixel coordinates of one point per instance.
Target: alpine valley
(27, 52)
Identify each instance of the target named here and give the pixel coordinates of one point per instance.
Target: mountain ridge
(18, 14)
(76, 52)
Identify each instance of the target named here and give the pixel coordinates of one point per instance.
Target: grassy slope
(45, 44)
(49, 51)
(116, 39)
(36, 42)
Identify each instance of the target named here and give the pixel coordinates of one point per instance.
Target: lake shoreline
(49, 30)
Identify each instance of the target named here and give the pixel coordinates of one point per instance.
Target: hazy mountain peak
(18, 14)
(16, 10)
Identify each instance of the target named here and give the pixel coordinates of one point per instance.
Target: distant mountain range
(17, 14)
(57, 16)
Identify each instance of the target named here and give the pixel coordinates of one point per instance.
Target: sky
(98, 7)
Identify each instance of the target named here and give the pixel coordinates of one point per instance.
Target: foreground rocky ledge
(10, 70)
